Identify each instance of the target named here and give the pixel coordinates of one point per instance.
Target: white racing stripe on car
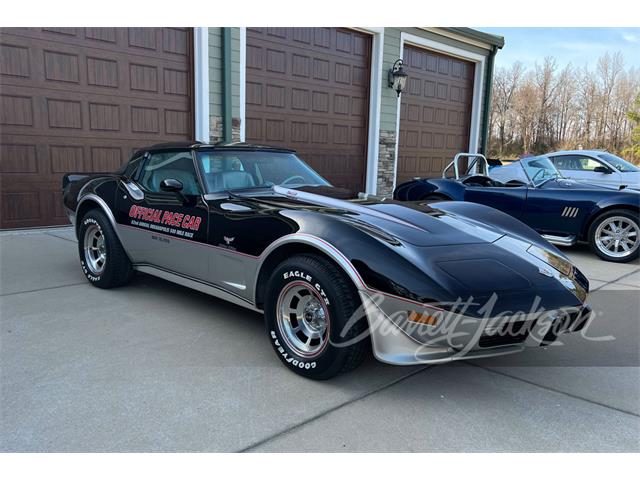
(570, 212)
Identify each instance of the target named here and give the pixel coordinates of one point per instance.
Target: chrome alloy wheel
(303, 319)
(617, 237)
(95, 251)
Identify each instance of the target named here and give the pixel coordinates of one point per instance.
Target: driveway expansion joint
(43, 289)
(551, 389)
(346, 403)
(615, 280)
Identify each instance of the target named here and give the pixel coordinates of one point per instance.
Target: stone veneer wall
(386, 162)
(216, 129)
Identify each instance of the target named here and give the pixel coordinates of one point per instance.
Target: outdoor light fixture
(397, 76)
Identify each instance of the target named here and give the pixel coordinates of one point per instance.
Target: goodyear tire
(309, 303)
(102, 258)
(614, 235)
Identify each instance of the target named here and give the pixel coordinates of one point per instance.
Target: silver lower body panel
(196, 285)
(398, 341)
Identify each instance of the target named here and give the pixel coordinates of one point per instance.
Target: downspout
(486, 104)
(226, 84)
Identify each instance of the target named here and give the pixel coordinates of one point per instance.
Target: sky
(576, 45)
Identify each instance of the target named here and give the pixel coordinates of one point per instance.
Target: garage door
(308, 89)
(435, 112)
(81, 100)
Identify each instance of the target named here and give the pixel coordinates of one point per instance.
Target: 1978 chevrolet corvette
(333, 274)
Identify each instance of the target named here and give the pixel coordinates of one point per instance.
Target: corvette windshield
(618, 163)
(539, 170)
(240, 170)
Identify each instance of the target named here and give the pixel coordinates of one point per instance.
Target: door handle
(234, 207)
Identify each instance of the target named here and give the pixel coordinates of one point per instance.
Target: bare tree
(544, 108)
(506, 82)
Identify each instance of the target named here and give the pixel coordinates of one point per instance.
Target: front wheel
(314, 319)
(613, 236)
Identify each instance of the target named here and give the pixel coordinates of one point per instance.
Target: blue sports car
(563, 211)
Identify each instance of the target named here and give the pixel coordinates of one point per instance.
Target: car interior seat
(229, 180)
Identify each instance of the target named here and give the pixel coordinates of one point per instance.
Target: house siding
(216, 84)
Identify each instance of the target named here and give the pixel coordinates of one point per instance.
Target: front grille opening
(508, 334)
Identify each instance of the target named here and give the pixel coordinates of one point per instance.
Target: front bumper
(398, 340)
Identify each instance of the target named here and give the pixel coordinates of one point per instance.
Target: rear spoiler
(494, 162)
(73, 177)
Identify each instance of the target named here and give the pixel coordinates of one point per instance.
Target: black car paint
(390, 257)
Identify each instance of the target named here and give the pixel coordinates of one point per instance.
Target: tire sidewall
(92, 218)
(602, 219)
(330, 359)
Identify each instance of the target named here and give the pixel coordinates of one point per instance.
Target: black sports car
(258, 227)
(532, 190)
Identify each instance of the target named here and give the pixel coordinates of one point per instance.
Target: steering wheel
(293, 177)
(543, 171)
(479, 180)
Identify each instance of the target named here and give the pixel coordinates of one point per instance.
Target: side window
(131, 168)
(589, 164)
(579, 163)
(176, 165)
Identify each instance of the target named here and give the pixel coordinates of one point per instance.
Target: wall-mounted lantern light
(397, 77)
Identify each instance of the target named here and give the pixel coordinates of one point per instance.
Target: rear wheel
(104, 262)
(614, 236)
(313, 318)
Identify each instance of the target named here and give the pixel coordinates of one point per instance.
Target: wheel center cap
(314, 316)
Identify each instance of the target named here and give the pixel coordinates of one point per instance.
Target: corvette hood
(415, 223)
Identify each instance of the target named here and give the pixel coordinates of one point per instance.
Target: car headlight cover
(558, 263)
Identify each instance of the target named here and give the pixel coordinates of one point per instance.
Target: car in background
(596, 167)
(532, 190)
(258, 227)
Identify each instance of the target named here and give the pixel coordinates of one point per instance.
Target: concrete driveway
(157, 367)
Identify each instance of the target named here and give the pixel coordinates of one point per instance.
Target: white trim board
(243, 82)
(478, 84)
(201, 83)
(375, 94)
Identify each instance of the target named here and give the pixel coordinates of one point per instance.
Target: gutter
(487, 38)
(226, 84)
(486, 103)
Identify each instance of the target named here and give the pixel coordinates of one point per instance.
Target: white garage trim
(375, 93)
(201, 82)
(243, 81)
(478, 82)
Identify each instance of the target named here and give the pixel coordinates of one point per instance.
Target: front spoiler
(392, 344)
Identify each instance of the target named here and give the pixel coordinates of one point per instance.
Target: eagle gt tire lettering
(308, 302)
(102, 258)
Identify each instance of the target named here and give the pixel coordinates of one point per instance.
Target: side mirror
(171, 185)
(602, 169)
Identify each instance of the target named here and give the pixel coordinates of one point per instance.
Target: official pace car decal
(165, 221)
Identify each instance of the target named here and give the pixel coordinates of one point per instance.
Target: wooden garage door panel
(308, 89)
(82, 99)
(435, 112)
